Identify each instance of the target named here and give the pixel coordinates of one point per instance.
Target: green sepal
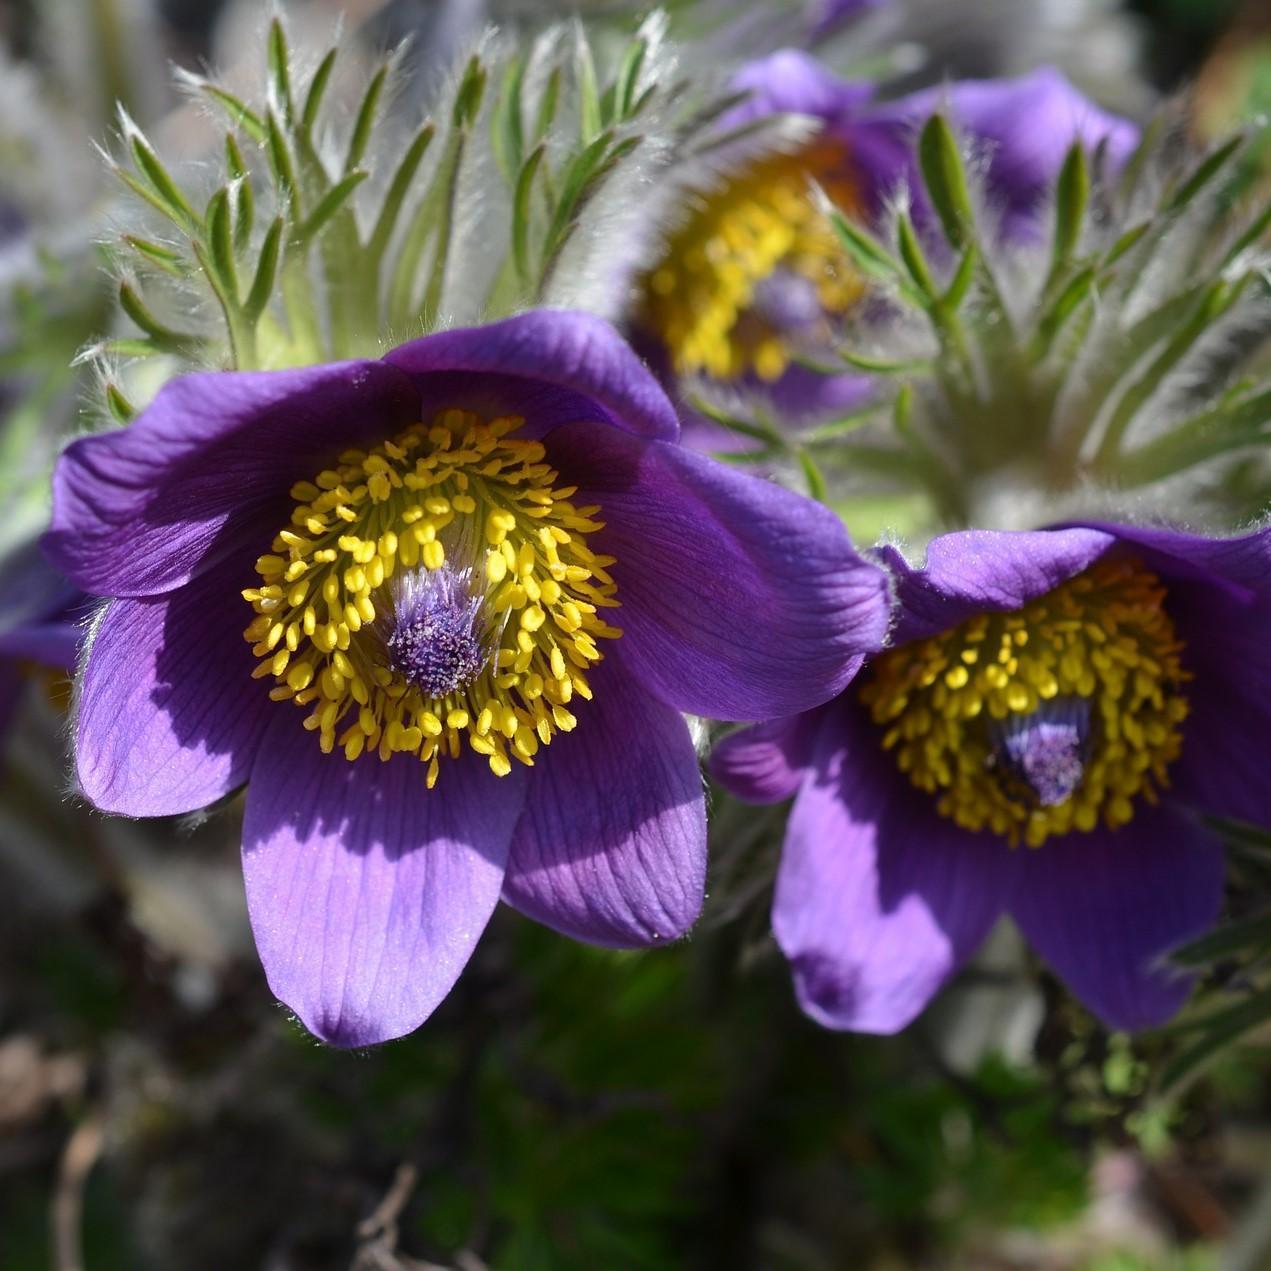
(169, 261)
(327, 206)
(1201, 176)
(872, 258)
(220, 241)
(238, 111)
(165, 190)
(279, 76)
(360, 137)
(1072, 199)
(467, 103)
(521, 211)
(163, 339)
(266, 272)
(945, 178)
(316, 92)
(121, 409)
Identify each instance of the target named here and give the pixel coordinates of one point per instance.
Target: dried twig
(81, 1153)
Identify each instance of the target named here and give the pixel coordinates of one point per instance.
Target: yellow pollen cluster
(461, 494)
(1103, 636)
(698, 301)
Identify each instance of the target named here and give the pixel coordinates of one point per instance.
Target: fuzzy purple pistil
(788, 302)
(435, 643)
(1046, 750)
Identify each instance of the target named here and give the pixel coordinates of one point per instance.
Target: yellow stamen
(699, 300)
(461, 493)
(1103, 636)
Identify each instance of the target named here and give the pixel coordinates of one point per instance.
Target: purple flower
(1056, 709)
(828, 16)
(753, 283)
(432, 707)
(41, 627)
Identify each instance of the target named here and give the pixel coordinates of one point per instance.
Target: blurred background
(567, 1107)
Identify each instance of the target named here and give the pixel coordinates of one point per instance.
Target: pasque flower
(1056, 710)
(753, 284)
(479, 582)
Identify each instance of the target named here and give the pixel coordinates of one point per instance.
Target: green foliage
(1136, 352)
(307, 258)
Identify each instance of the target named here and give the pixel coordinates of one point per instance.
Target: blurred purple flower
(432, 593)
(41, 626)
(753, 279)
(830, 15)
(1083, 693)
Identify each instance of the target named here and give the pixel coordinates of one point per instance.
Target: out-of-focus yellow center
(1098, 656)
(700, 301)
(436, 588)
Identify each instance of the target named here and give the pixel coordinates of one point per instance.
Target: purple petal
(765, 763)
(740, 600)
(1219, 595)
(612, 845)
(972, 571)
(789, 82)
(830, 14)
(1222, 769)
(879, 898)
(367, 891)
(551, 366)
(142, 510)
(803, 395)
(169, 717)
(1240, 565)
(1028, 124)
(1102, 908)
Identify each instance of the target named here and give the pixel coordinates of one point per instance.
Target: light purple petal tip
(367, 891)
(612, 845)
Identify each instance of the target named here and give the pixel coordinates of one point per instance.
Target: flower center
(433, 589)
(756, 274)
(1046, 720)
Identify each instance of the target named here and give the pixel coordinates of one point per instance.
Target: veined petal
(1219, 597)
(367, 891)
(611, 847)
(1240, 565)
(739, 600)
(549, 366)
(142, 510)
(1103, 908)
(169, 717)
(974, 571)
(879, 899)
